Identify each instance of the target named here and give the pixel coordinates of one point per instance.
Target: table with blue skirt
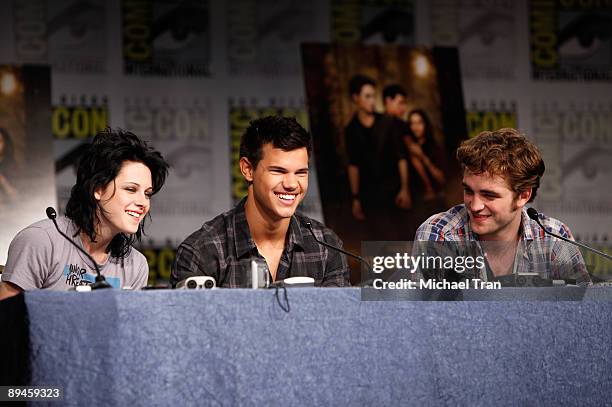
(310, 346)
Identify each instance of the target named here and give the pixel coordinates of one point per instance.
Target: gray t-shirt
(39, 257)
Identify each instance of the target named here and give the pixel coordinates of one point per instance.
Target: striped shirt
(223, 248)
(537, 252)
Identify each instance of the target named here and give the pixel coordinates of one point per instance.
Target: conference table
(312, 346)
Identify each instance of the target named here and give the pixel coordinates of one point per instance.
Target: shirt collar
(295, 234)
(530, 227)
(243, 240)
(467, 226)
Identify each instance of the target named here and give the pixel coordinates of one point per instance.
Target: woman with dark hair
(422, 147)
(105, 214)
(7, 165)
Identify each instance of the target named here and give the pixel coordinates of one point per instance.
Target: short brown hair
(506, 153)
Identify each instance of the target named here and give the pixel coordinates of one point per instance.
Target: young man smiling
(501, 174)
(274, 153)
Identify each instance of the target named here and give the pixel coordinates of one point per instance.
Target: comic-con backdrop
(190, 75)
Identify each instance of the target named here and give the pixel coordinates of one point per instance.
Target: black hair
(359, 81)
(426, 121)
(391, 91)
(283, 132)
(98, 166)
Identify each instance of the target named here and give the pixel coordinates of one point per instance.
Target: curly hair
(99, 166)
(506, 153)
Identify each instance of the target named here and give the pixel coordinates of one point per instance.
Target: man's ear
(523, 197)
(246, 169)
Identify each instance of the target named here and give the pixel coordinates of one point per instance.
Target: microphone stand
(533, 214)
(361, 259)
(100, 280)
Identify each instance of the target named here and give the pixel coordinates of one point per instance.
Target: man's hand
(357, 210)
(403, 199)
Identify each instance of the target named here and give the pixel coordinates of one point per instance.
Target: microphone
(533, 214)
(100, 280)
(361, 259)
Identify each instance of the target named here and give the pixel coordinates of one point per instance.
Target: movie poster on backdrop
(27, 182)
(571, 40)
(480, 29)
(244, 110)
(372, 22)
(75, 120)
(180, 128)
(431, 126)
(166, 38)
(69, 35)
(264, 36)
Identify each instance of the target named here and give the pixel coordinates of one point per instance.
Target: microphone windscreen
(51, 214)
(532, 213)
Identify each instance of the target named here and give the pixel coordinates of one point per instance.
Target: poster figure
(27, 184)
(8, 169)
(386, 121)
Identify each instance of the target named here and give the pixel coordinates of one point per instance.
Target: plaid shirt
(537, 251)
(223, 248)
